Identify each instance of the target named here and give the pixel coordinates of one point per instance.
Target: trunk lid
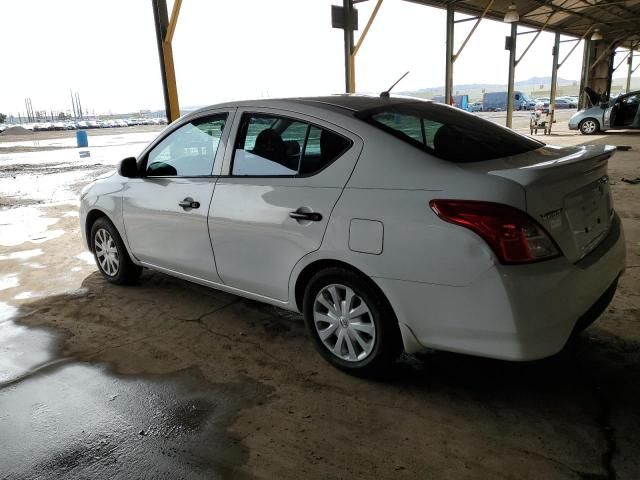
(567, 192)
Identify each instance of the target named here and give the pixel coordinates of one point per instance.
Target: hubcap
(344, 323)
(106, 252)
(589, 126)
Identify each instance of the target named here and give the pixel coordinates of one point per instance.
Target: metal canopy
(617, 20)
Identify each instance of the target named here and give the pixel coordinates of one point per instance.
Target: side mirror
(128, 168)
(604, 105)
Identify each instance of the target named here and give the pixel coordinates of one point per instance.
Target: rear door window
(448, 133)
(271, 145)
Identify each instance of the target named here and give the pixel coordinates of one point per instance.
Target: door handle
(189, 203)
(301, 215)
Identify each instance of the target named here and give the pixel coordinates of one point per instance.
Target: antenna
(385, 94)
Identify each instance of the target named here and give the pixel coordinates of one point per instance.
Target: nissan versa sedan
(392, 224)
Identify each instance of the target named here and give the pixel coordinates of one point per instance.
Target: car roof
(344, 103)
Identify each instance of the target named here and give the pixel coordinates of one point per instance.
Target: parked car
(391, 223)
(497, 101)
(620, 112)
(476, 107)
(564, 103)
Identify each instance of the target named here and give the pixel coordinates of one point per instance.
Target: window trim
(309, 124)
(144, 157)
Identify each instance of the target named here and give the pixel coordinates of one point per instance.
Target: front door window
(189, 151)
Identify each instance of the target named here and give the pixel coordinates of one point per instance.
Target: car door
(285, 172)
(165, 210)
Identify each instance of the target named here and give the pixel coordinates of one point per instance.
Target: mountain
(476, 89)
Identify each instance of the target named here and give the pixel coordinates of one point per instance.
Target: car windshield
(448, 133)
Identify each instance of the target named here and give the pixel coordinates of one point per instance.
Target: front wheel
(350, 322)
(589, 126)
(112, 258)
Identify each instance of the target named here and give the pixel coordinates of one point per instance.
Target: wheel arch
(93, 215)
(598, 124)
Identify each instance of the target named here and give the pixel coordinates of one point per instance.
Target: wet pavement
(168, 379)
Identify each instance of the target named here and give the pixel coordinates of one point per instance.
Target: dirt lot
(171, 380)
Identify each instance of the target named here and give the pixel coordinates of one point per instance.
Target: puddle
(86, 257)
(7, 312)
(22, 350)
(85, 422)
(24, 296)
(9, 280)
(26, 224)
(22, 255)
(35, 265)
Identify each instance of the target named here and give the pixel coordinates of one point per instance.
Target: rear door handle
(189, 203)
(301, 215)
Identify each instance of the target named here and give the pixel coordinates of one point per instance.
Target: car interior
(625, 111)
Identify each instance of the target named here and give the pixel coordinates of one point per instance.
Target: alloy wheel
(589, 126)
(344, 323)
(106, 252)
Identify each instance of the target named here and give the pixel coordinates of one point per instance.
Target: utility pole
(79, 106)
(73, 105)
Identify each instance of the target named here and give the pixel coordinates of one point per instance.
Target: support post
(630, 69)
(349, 61)
(164, 34)
(448, 77)
(584, 80)
(554, 80)
(512, 72)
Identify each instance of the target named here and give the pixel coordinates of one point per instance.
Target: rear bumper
(521, 312)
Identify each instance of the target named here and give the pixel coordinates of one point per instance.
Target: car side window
(271, 145)
(419, 129)
(632, 100)
(189, 151)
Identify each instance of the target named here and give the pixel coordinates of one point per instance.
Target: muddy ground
(168, 379)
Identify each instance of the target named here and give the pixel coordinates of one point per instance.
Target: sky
(231, 50)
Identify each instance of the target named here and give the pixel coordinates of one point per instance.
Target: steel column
(349, 63)
(512, 73)
(164, 35)
(630, 69)
(584, 80)
(358, 44)
(448, 76)
(554, 80)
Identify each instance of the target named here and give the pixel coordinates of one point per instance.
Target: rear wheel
(589, 126)
(111, 255)
(350, 322)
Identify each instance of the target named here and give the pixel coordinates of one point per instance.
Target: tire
(111, 256)
(596, 309)
(589, 126)
(371, 339)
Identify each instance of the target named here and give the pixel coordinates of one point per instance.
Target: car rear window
(448, 133)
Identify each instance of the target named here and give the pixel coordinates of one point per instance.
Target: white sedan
(391, 224)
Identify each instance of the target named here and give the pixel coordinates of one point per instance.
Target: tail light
(513, 235)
